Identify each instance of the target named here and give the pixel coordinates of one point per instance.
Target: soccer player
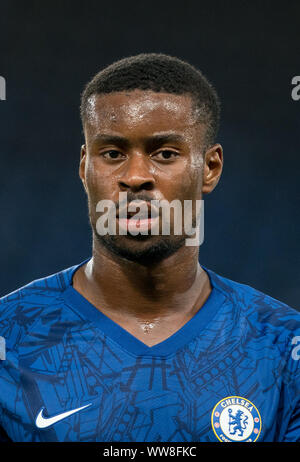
(140, 342)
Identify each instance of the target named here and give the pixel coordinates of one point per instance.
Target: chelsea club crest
(236, 419)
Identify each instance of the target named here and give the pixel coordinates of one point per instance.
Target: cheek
(191, 182)
(92, 179)
(196, 176)
(99, 183)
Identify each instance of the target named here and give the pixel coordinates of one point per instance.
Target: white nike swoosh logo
(44, 422)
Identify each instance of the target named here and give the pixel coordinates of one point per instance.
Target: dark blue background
(249, 50)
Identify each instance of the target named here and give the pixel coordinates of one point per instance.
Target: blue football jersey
(70, 373)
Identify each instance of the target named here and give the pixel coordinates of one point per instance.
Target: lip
(137, 225)
(153, 211)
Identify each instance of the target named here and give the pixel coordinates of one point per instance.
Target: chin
(142, 249)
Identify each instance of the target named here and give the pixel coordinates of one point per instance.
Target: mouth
(137, 225)
(144, 218)
(146, 211)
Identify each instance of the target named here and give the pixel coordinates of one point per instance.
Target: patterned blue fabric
(63, 354)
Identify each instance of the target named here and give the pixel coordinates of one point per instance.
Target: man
(141, 343)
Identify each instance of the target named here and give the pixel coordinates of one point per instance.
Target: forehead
(140, 109)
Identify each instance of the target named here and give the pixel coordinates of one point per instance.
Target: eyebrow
(150, 141)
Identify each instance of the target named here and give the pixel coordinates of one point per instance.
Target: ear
(82, 165)
(212, 168)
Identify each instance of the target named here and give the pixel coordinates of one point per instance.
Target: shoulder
(40, 290)
(262, 311)
(265, 328)
(39, 300)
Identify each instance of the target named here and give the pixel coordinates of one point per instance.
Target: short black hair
(160, 73)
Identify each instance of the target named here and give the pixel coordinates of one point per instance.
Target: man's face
(150, 146)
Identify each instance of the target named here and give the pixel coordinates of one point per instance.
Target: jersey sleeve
(9, 373)
(3, 436)
(292, 432)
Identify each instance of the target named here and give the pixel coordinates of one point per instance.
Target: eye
(165, 155)
(112, 155)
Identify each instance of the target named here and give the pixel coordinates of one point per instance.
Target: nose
(136, 175)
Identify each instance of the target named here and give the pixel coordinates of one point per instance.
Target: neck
(130, 289)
